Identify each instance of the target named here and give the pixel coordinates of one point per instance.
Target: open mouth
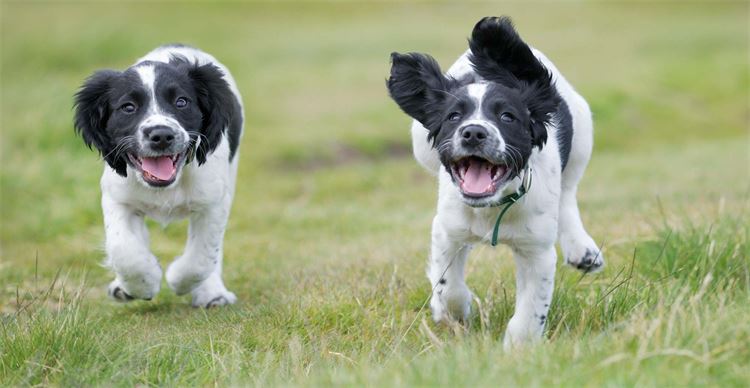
(477, 177)
(158, 170)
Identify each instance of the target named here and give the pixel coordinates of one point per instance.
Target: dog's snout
(473, 135)
(159, 138)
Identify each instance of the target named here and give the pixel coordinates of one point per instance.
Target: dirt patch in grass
(340, 154)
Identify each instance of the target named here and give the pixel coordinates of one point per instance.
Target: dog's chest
(170, 204)
(167, 205)
(166, 214)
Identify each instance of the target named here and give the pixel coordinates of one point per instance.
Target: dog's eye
(455, 116)
(507, 117)
(181, 102)
(128, 108)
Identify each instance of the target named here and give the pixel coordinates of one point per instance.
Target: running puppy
(168, 129)
(502, 127)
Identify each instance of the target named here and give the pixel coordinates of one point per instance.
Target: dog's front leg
(451, 298)
(535, 280)
(203, 250)
(137, 272)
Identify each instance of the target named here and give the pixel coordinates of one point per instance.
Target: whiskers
(514, 157)
(123, 145)
(444, 146)
(194, 136)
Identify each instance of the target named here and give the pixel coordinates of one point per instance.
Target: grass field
(329, 234)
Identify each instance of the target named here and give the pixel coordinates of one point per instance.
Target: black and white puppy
(502, 110)
(168, 129)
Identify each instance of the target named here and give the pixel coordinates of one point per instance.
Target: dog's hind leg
(138, 274)
(578, 248)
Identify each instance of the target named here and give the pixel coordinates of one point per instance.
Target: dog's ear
(217, 103)
(92, 110)
(419, 88)
(498, 51)
(542, 101)
(499, 54)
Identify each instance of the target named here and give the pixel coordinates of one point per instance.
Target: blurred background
(326, 153)
(326, 172)
(331, 211)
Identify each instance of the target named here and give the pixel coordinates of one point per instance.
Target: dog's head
(484, 128)
(154, 117)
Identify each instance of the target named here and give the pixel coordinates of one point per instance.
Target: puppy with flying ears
(502, 115)
(168, 129)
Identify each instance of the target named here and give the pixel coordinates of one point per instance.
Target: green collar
(509, 200)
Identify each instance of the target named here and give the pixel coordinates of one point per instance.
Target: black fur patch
(564, 132)
(498, 50)
(419, 87)
(93, 108)
(219, 106)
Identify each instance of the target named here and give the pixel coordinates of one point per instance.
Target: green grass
(330, 227)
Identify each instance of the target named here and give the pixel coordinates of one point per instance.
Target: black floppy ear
(497, 49)
(92, 110)
(499, 54)
(419, 88)
(218, 105)
(543, 101)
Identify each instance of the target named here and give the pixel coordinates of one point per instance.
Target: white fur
(530, 227)
(201, 193)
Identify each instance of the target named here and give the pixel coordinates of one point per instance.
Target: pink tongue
(161, 167)
(477, 178)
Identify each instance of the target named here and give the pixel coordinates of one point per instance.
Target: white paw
(520, 334)
(126, 290)
(184, 276)
(207, 298)
(137, 276)
(450, 304)
(582, 253)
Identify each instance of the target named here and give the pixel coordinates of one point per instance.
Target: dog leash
(509, 200)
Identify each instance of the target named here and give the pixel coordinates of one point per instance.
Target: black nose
(159, 138)
(473, 135)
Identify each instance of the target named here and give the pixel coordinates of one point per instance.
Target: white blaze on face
(155, 116)
(148, 77)
(478, 92)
